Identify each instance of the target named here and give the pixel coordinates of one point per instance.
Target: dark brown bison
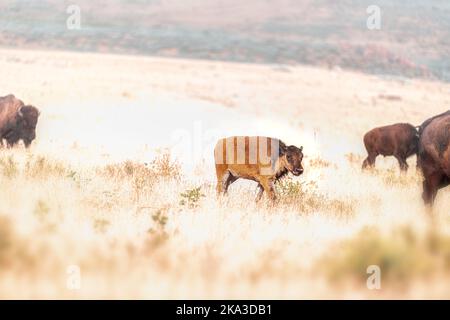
(434, 155)
(17, 121)
(428, 121)
(261, 159)
(399, 140)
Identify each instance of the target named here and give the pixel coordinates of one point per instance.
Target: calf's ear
(282, 149)
(301, 148)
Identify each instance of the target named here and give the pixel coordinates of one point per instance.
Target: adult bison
(261, 159)
(17, 121)
(399, 140)
(434, 155)
(428, 121)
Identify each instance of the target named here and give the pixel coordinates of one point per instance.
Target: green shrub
(191, 197)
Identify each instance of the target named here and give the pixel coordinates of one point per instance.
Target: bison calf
(399, 140)
(261, 159)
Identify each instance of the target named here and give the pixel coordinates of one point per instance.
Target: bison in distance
(17, 121)
(399, 140)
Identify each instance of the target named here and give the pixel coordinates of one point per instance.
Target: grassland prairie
(116, 196)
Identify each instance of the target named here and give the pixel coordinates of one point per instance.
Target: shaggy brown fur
(252, 158)
(434, 156)
(428, 121)
(17, 121)
(399, 140)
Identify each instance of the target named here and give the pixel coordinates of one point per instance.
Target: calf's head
(26, 124)
(292, 159)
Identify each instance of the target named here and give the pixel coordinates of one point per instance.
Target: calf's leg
(269, 188)
(229, 180)
(222, 177)
(402, 162)
(260, 192)
(370, 160)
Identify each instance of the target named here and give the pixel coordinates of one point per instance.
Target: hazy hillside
(414, 40)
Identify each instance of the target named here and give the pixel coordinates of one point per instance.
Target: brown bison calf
(261, 159)
(399, 140)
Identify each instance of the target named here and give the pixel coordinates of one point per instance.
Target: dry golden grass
(138, 230)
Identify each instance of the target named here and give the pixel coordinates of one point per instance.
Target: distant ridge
(414, 40)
